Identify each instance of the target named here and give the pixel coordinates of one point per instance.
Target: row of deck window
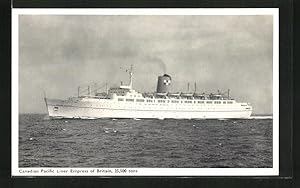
(174, 101)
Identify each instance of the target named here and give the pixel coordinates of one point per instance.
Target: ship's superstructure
(125, 102)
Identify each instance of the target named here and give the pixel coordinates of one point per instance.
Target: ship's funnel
(163, 84)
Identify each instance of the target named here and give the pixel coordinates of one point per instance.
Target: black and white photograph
(186, 92)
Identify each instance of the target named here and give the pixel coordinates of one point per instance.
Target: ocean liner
(125, 102)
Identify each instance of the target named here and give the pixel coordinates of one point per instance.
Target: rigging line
(86, 89)
(99, 88)
(89, 84)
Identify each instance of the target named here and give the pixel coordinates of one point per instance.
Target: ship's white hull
(86, 110)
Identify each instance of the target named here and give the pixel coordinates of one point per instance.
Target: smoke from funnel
(158, 61)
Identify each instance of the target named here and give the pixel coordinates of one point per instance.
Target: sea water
(147, 143)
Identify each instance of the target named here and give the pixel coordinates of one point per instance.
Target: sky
(59, 53)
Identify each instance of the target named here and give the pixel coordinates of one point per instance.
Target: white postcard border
(16, 171)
